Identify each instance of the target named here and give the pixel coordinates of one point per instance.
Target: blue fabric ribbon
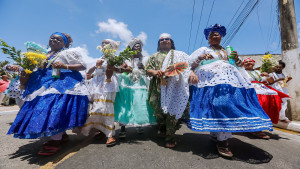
(62, 35)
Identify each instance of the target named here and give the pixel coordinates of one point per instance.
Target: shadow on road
(272, 136)
(201, 145)
(29, 152)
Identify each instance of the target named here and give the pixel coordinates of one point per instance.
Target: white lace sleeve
(196, 54)
(72, 56)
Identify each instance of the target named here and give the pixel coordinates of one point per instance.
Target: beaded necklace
(254, 77)
(52, 57)
(219, 53)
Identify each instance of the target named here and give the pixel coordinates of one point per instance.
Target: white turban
(135, 41)
(165, 35)
(114, 44)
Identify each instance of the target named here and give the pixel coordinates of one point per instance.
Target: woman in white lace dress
(102, 96)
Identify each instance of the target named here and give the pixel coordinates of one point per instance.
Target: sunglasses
(167, 39)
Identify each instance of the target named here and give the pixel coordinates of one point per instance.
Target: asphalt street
(194, 150)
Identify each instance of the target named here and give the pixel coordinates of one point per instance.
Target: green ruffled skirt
(131, 106)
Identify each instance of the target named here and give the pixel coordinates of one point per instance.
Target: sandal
(111, 141)
(223, 149)
(171, 144)
(50, 148)
(261, 135)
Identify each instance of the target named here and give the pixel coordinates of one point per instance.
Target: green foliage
(124, 55)
(113, 60)
(2, 64)
(11, 51)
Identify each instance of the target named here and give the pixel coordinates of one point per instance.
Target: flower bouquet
(114, 60)
(268, 63)
(28, 61)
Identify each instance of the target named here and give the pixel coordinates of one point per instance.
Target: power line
(212, 6)
(260, 28)
(272, 21)
(239, 22)
(236, 13)
(198, 25)
(191, 26)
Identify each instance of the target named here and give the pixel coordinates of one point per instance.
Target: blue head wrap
(62, 35)
(215, 28)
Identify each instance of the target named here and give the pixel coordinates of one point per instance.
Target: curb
(293, 126)
(9, 112)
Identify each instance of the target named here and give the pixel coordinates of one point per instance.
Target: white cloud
(90, 61)
(143, 37)
(119, 30)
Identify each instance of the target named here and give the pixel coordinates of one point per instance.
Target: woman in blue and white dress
(222, 101)
(54, 104)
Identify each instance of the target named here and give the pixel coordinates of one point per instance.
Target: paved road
(194, 150)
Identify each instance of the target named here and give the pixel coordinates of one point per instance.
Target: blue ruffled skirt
(50, 114)
(223, 108)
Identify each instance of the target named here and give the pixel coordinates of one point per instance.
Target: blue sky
(91, 21)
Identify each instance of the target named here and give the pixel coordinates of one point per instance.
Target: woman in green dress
(131, 106)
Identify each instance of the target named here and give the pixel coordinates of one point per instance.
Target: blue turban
(215, 28)
(62, 35)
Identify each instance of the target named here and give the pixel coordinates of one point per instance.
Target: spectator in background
(4, 82)
(279, 83)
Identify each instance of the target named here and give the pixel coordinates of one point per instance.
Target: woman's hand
(264, 74)
(158, 73)
(206, 56)
(99, 63)
(234, 56)
(125, 68)
(59, 65)
(15, 68)
(193, 78)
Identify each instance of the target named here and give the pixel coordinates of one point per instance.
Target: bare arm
(75, 67)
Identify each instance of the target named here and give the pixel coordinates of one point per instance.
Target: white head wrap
(114, 44)
(165, 35)
(135, 41)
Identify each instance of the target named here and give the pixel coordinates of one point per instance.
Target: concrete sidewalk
(293, 125)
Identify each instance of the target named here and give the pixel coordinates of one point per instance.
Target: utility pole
(290, 54)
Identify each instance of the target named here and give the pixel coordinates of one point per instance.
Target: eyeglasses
(167, 39)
